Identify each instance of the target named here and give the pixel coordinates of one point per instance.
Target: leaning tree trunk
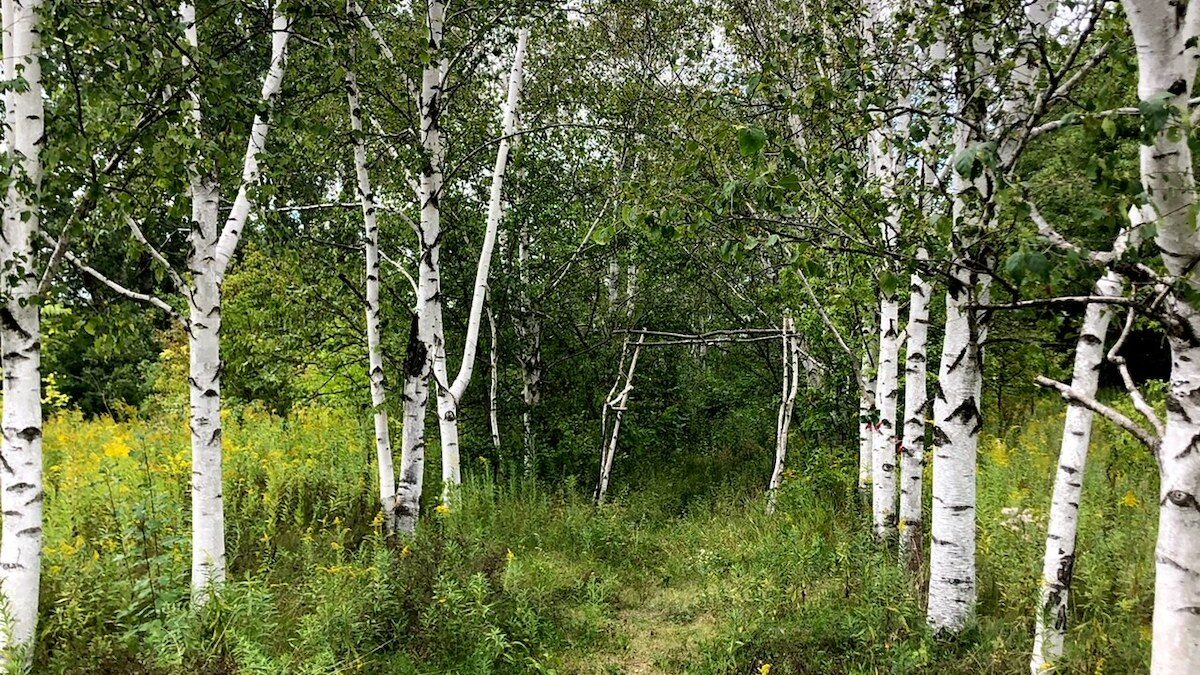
(791, 383)
(1059, 563)
(912, 447)
(375, 373)
(450, 393)
(20, 338)
(1165, 36)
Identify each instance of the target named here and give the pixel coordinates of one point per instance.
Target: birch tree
(212, 243)
(375, 373)
(1059, 562)
(20, 335)
(451, 392)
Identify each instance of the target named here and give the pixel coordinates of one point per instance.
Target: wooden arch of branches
(795, 359)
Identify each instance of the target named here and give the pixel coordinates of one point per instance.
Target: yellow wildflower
(510, 555)
(405, 552)
(378, 520)
(764, 669)
(1130, 500)
(116, 449)
(442, 509)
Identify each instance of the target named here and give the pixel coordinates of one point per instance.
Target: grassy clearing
(524, 578)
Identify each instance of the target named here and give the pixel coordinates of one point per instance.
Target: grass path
(656, 628)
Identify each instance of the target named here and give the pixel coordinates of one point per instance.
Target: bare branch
(121, 290)
(1070, 394)
(154, 253)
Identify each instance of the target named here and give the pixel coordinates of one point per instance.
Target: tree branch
(1070, 394)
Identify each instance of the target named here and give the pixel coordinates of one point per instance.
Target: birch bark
(791, 383)
(916, 401)
(1059, 562)
(20, 338)
(450, 393)
(1165, 37)
(212, 248)
(375, 372)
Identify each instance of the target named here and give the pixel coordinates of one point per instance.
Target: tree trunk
(887, 391)
(1165, 35)
(375, 373)
(450, 393)
(1059, 563)
(412, 443)
(617, 402)
(529, 350)
(493, 380)
(791, 383)
(20, 339)
(866, 411)
(912, 448)
(957, 422)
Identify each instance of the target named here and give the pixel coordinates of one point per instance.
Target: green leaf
(751, 140)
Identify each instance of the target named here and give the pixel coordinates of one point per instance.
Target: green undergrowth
(532, 578)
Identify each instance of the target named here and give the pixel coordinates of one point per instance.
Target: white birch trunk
(618, 404)
(375, 372)
(787, 401)
(412, 442)
(212, 249)
(429, 286)
(20, 339)
(493, 380)
(1165, 35)
(957, 422)
(916, 401)
(529, 335)
(450, 393)
(887, 391)
(1059, 562)
(866, 410)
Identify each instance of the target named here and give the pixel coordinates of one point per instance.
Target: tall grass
(679, 574)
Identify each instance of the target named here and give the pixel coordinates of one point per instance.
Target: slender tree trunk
(450, 393)
(887, 391)
(791, 383)
(529, 350)
(1165, 37)
(916, 401)
(617, 402)
(375, 373)
(866, 411)
(1059, 563)
(20, 338)
(493, 380)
